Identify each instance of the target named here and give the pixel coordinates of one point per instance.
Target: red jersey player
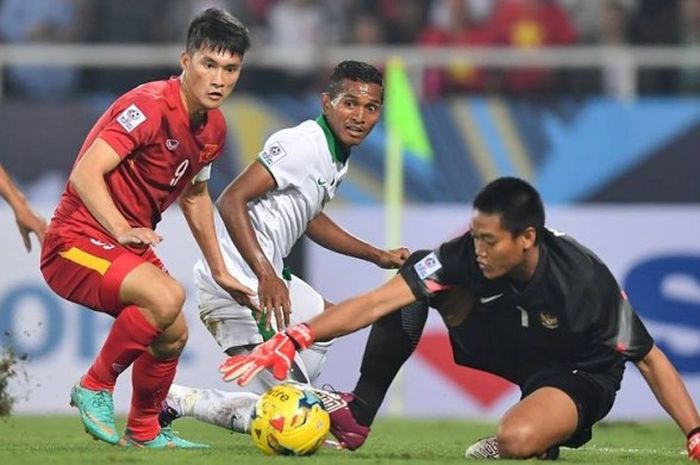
(155, 144)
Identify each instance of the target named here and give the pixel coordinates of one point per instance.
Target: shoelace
(329, 388)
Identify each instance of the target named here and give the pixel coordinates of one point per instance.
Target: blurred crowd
(307, 25)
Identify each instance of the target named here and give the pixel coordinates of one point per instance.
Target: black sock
(391, 341)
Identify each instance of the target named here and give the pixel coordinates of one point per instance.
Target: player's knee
(171, 298)
(517, 441)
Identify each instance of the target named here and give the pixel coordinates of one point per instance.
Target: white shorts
(234, 325)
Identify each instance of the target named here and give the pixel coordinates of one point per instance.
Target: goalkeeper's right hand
(276, 354)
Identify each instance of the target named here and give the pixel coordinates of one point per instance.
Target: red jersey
(149, 128)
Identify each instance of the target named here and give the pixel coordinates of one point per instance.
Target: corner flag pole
(404, 131)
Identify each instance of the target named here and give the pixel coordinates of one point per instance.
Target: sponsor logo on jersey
(548, 320)
(172, 144)
(491, 298)
(104, 245)
(208, 152)
(273, 154)
(323, 182)
(427, 266)
(131, 118)
(118, 368)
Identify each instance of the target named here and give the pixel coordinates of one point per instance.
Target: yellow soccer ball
(289, 420)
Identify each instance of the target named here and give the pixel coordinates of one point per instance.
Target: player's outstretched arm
(254, 182)
(328, 234)
(27, 221)
(668, 387)
(344, 318)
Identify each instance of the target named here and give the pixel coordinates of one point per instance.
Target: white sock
(230, 410)
(313, 359)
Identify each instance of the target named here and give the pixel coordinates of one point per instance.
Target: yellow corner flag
(403, 131)
(403, 118)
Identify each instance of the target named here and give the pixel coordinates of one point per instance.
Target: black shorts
(592, 396)
(479, 346)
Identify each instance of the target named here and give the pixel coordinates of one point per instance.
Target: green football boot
(97, 412)
(166, 439)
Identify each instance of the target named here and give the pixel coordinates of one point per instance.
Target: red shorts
(90, 272)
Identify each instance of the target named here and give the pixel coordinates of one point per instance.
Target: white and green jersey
(308, 164)
(307, 167)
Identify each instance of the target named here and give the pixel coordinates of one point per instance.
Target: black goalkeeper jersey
(571, 315)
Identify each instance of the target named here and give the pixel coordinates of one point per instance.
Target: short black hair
(217, 30)
(357, 71)
(518, 204)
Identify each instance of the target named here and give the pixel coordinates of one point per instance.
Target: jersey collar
(339, 151)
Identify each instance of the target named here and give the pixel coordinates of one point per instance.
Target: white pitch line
(634, 451)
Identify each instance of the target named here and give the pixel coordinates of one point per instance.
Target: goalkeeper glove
(276, 353)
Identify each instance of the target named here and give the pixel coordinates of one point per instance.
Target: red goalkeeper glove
(694, 444)
(276, 353)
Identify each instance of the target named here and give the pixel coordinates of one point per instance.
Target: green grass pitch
(60, 440)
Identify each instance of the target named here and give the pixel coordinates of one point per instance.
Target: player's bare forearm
(27, 220)
(87, 178)
(358, 312)
(668, 387)
(10, 192)
(328, 234)
(198, 209)
(254, 182)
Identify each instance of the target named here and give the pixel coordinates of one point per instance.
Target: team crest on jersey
(272, 154)
(208, 152)
(172, 144)
(549, 321)
(131, 118)
(427, 266)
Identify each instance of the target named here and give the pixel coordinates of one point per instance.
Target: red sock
(129, 337)
(151, 380)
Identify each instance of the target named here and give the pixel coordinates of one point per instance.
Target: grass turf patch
(60, 440)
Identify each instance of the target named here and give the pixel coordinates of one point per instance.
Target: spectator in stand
(656, 23)
(610, 29)
(120, 22)
(613, 31)
(405, 21)
(454, 27)
(613, 24)
(586, 15)
(41, 21)
(531, 24)
(178, 14)
(301, 26)
(366, 29)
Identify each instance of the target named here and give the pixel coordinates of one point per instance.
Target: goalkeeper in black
(520, 301)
